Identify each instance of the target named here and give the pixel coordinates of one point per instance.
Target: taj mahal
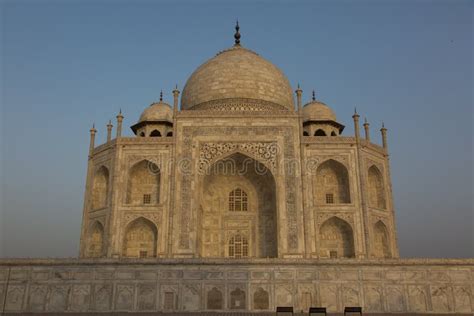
(238, 193)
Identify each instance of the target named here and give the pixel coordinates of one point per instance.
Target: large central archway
(238, 214)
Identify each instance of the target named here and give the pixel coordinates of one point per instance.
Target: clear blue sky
(66, 64)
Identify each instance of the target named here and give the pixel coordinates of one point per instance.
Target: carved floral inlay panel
(265, 152)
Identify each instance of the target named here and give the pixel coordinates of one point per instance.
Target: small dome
(318, 111)
(237, 73)
(160, 111)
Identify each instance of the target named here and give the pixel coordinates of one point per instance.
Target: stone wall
(186, 285)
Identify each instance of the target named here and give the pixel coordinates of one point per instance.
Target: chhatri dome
(317, 111)
(237, 74)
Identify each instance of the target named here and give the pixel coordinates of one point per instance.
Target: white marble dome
(158, 111)
(237, 73)
(318, 111)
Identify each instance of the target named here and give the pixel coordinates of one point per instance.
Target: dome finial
(237, 34)
(314, 96)
(161, 96)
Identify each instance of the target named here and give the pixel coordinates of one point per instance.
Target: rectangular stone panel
(58, 298)
(146, 298)
(213, 275)
(124, 274)
(351, 295)
(284, 274)
(147, 275)
(83, 275)
(395, 298)
(349, 275)
(441, 298)
(459, 275)
(261, 275)
(237, 275)
(372, 275)
(104, 274)
(102, 297)
(124, 297)
(328, 274)
(373, 297)
(171, 274)
(306, 297)
(417, 301)
(414, 275)
(284, 295)
(260, 297)
(192, 274)
(61, 275)
(462, 299)
(191, 293)
(81, 297)
(3, 274)
(329, 294)
(37, 298)
(438, 275)
(19, 274)
(40, 275)
(306, 275)
(393, 275)
(15, 297)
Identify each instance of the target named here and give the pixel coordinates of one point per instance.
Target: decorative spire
(366, 129)
(109, 131)
(161, 96)
(356, 115)
(314, 96)
(237, 34)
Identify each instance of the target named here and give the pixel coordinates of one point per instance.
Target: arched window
(100, 188)
(376, 188)
(95, 246)
(305, 133)
(238, 201)
(170, 134)
(155, 133)
(332, 183)
(237, 299)
(215, 299)
(337, 239)
(333, 133)
(144, 183)
(140, 239)
(238, 246)
(381, 241)
(320, 132)
(261, 299)
(142, 134)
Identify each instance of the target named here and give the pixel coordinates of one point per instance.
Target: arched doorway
(381, 241)
(337, 239)
(238, 209)
(332, 183)
(376, 188)
(100, 187)
(143, 185)
(95, 247)
(140, 239)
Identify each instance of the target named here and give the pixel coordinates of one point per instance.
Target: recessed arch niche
(218, 219)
